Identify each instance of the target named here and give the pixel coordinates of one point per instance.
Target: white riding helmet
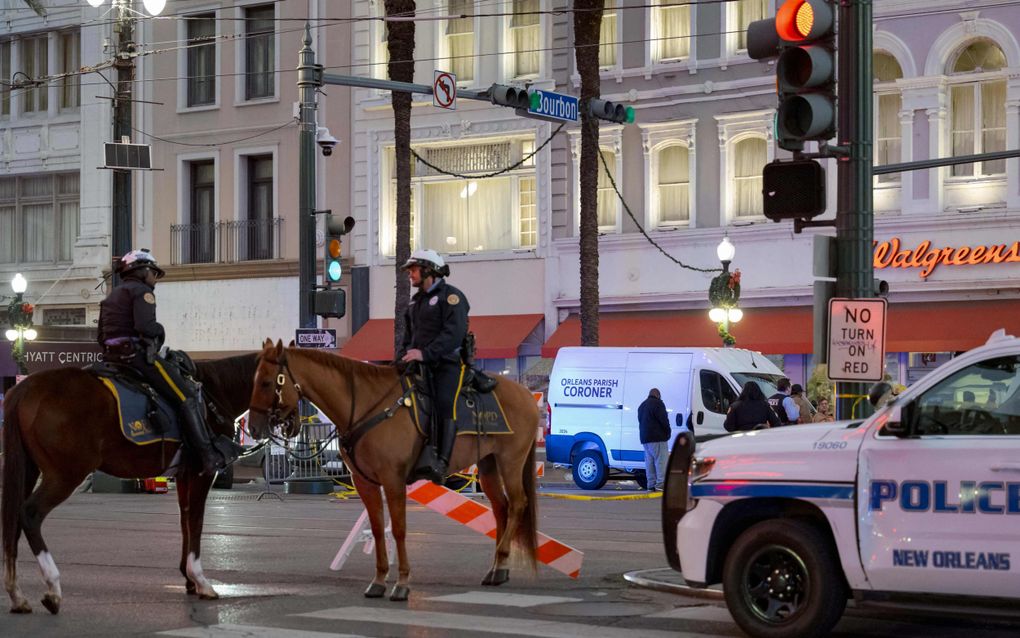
(428, 259)
(137, 259)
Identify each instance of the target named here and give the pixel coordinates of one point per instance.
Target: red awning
(496, 337)
(911, 327)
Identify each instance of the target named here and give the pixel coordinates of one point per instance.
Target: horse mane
(346, 365)
(230, 378)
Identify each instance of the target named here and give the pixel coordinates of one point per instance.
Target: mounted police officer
(130, 335)
(434, 329)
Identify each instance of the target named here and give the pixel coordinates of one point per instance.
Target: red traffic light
(800, 20)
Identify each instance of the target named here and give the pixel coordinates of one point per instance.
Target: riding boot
(439, 463)
(198, 439)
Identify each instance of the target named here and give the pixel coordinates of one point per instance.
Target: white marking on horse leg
(202, 586)
(50, 573)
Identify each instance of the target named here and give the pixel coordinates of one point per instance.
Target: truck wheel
(589, 470)
(781, 578)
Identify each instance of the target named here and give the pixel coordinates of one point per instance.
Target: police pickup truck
(919, 503)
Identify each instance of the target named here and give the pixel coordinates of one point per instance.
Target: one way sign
(315, 338)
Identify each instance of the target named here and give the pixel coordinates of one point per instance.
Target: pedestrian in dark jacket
(653, 423)
(750, 411)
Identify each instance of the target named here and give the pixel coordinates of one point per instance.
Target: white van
(594, 394)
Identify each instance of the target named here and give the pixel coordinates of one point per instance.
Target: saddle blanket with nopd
(474, 412)
(142, 420)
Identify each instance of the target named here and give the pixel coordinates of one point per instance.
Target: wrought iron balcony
(227, 242)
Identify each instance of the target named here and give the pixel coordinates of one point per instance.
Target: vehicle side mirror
(894, 423)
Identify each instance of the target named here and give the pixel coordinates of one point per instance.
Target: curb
(645, 578)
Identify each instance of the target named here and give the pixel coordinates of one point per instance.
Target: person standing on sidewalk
(653, 423)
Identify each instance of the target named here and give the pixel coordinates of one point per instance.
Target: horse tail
(13, 493)
(527, 528)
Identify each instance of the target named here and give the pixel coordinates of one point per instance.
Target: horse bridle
(273, 414)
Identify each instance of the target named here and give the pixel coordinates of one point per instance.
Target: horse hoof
(22, 607)
(399, 593)
(375, 590)
(209, 595)
(488, 579)
(190, 588)
(52, 603)
(499, 576)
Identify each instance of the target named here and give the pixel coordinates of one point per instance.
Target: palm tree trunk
(587, 23)
(400, 42)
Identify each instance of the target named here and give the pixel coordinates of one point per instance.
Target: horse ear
(268, 343)
(292, 344)
(279, 347)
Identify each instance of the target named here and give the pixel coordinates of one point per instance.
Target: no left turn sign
(444, 90)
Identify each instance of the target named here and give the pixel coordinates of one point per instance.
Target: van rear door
(669, 372)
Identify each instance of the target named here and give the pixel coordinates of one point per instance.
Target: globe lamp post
(724, 293)
(19, 316)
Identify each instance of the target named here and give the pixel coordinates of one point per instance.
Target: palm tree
(400, 43)
(587, 23)
(36, 6)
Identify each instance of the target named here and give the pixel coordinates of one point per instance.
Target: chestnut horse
(63, 424)
(380, 442)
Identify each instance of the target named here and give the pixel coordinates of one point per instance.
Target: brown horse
(379, 442)
(63, 424)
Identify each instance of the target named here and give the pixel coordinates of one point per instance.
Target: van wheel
(781, 578)
(590, 471)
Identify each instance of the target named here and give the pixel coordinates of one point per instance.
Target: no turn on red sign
(444, 90)
(857, 339)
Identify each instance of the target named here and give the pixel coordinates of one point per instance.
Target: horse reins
(274, 413)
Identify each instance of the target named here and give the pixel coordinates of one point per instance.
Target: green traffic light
(333, 270)
(535, 100)
(630, 115)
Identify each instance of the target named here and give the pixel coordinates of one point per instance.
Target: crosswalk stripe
(250, 631)
(487, 624)
(700, 612)
(505, 600)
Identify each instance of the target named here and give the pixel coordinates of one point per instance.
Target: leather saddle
(477, 409)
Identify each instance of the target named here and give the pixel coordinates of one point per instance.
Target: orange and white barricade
(561, 557)
(478, 517)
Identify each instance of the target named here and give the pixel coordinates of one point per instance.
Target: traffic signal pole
(307, 84)
(854, 209)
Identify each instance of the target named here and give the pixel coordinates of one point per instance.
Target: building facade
(689, 172)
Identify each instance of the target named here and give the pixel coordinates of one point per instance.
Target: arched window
(673, 188)
(888, 102)
(749, 157)
(977, 103)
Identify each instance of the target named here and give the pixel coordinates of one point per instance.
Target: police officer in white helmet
(130, 335)
(434, 329)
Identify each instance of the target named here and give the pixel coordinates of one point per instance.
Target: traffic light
(611, 111)
(511, 96)
(334, 232)
(806, 73)
(793, 189)
(332, 302)
(802, 35)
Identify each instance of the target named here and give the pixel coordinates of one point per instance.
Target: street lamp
(724, 293)
(19, 316)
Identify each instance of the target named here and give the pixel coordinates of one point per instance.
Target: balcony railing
(227, 242)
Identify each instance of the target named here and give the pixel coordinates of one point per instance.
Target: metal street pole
(854, 212)
(308, 82)
(122, 105)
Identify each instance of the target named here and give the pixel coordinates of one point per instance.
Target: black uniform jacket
(436, 323)
(130, 311)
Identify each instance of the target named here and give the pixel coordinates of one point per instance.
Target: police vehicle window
(716, 393)
(981, 399)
